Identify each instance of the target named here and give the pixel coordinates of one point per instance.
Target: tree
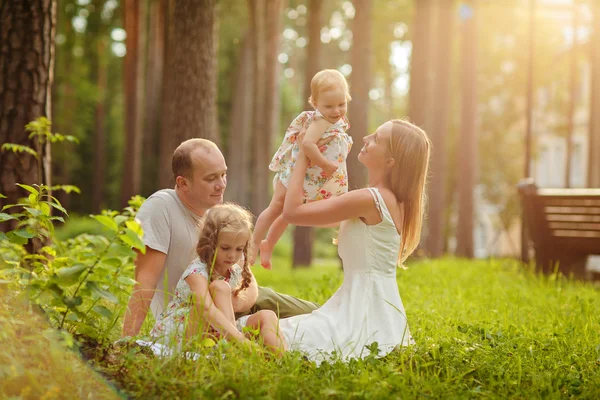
(27, 31)
(360, 81)
(304, 235)
(158, 11)
(419, 64)
(135, 26)
(190, 87)
(594, 126)
(467, 138)
(440, 129)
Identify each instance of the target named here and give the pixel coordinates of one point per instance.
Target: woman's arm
(207, 309)
(354, 204)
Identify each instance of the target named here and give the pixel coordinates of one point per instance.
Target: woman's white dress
(367, 307)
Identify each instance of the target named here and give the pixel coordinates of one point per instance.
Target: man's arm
(246, 299)
(148, 268)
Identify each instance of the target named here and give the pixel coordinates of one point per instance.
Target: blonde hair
(227, 217)
(411, 148)
(181, 163)
(324, 80)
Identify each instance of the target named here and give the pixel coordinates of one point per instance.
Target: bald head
(182, 163)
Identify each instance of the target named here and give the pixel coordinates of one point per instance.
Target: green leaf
(72, 302)
(17, 148)
(135, 227)
(106, 221)
(67, 188)
(103, 311)
(45, 208)
(3, 196)
(208, 342)
(111, 263)
(49, 250)
(98, 291)
(119, 250)
(13, 238)
(3, 236)
(119, 219)
(61, 219)
(125, 280)
(5, 217)
(24, 233)
(70, 275)
(132, 239)
(30, 189)
(33, 211)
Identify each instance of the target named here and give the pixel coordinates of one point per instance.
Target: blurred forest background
(505, 89)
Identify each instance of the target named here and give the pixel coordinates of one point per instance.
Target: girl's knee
(219, 286)
(267, 317)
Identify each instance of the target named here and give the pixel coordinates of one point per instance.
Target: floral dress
(316, 184)
(171, 323)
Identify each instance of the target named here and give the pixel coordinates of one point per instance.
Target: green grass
(484, 329)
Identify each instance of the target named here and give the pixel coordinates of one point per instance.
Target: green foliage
(75, 281)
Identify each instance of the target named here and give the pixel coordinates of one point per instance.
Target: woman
(380, 225)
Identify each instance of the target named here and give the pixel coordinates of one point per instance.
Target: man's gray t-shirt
(172, 229)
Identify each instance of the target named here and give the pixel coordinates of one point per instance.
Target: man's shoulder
(164, 197)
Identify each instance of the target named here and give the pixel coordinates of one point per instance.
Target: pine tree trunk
(360, 81)
(238, 156)
(190, 85)
(418, 101)
(304, 235)
(99, 186)
(27, 30)
(468, 137)
(260, 188)
(594, 125)
(154, 84)
(439, 129)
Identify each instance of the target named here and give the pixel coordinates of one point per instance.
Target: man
(170, 219)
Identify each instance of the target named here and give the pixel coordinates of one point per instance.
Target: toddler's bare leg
(266, 219)
(267, 245)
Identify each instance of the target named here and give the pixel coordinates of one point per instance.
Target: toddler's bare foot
(266, 250)
(252, 252)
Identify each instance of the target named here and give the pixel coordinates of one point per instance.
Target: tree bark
(467, 137)
(190, 85)
(154, 83)
(304, 235)
(439, 130)
(27, 35)
(360, 81)
(419, 65)
(594, 125)
(238, 156)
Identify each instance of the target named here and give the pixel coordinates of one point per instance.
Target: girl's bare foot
(266, 250)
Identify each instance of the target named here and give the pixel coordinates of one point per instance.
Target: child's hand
(330, 169)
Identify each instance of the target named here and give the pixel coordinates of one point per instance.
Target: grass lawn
(484, 329)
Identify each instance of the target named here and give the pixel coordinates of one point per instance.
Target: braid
(246, 275)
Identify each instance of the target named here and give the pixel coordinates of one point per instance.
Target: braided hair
(227, 217)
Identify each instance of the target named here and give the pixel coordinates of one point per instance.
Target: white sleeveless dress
(367, 307)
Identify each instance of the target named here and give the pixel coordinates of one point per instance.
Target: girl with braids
(203, 299)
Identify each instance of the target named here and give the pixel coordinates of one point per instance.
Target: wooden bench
(563, 226)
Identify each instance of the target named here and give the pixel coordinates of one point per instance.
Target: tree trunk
(190, 85)
(304, 235)
(154, 84)
(594, 124)
(439, 130)
(418, 100)
(238, 156)
(260, 188)
(27, 35)
(360, 81)
(99, 186)
(467, 139)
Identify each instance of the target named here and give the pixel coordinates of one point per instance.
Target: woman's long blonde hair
(228, 217)
(410, 147)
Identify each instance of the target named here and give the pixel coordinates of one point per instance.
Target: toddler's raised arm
(313, 135)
